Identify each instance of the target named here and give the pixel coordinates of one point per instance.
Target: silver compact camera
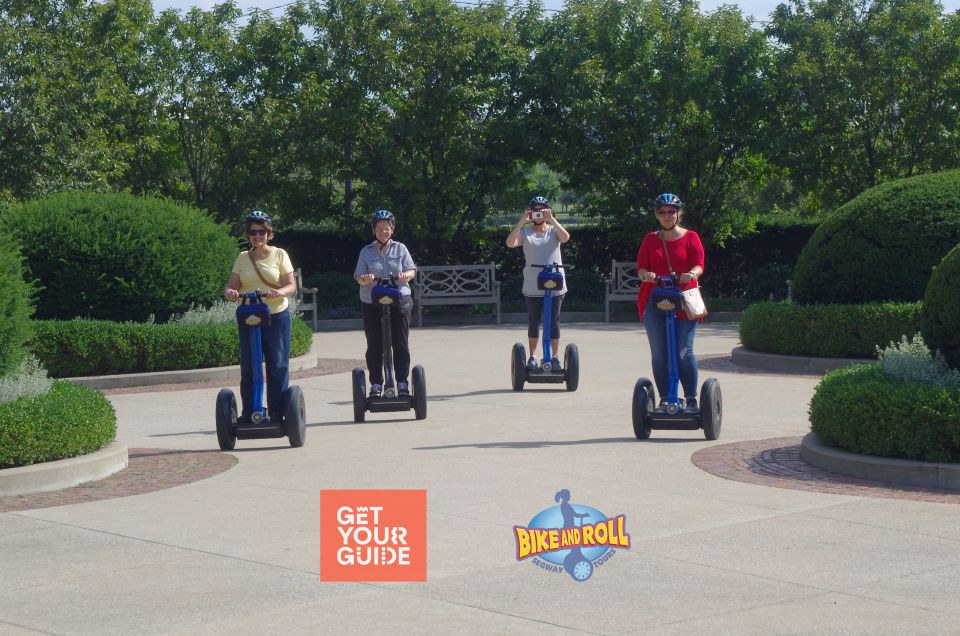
(536, 215)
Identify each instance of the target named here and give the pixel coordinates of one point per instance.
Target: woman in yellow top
(268, 269)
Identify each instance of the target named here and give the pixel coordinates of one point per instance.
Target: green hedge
(941, 309)
(15, 309)
(67, 421)
(883, 244)
(69, 348)
(832, 331)
(114, 256)
(862, 410)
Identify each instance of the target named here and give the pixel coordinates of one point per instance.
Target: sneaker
(555, 365)
(375, 390)
(403, 390)
(690, 407)
(532, 364)
(662, 407)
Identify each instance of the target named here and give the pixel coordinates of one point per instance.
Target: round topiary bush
(883, 244)
(66, 421)
(940, 317)
(119, 256)
(863, 410)
(15, 310)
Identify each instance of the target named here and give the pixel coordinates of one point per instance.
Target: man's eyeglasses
(667, 211)
(257, 232)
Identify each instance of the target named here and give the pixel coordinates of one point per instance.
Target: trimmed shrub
(338, 293)
(862, 410)
(941, 309)
(119, 256)
(832, 331)
(15, 310)
(70, 348)
(864, 252)
(66, 421)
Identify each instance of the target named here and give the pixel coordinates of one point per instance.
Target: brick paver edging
(779, 462)
(149, 470)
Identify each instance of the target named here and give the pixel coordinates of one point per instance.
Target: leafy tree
(638, 97)
(866, 91)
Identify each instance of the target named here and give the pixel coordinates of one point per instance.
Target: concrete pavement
(238, 552)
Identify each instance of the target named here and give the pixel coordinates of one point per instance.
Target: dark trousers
(535, 316)
(399, 337)
(275, 345)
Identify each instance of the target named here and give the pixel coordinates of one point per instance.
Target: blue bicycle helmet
(257, 216)
(383, 215)
(667, 198)
(539, 201)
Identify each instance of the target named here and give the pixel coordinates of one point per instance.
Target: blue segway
(386, 293)
(549, 279)
(668, 298)
(290, 422)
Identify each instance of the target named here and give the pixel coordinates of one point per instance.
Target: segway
(386, 293)
(549, 279)
(291, 422)
(668, 298)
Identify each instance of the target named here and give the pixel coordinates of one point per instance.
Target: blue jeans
(654, 322)
(275, 344)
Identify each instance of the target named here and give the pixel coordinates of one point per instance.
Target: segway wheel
(571, 363)
(226, 419)
(359, 395)
(419, 392)
(642, 407)
(518, 366)
(711, 408)
(294, 416)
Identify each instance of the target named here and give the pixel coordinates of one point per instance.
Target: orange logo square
(373, 535)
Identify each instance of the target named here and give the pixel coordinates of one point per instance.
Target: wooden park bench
(456, 285)
(306, 298)
(622, 284)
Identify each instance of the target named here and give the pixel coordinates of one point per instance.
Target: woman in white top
(268, 269)
(541, 245)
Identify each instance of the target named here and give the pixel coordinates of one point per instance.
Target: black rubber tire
(711, 408)
(518, 366)
(571, 365)
(419, 392)
(642, 406)
(359, 395)
(226, 419)
(294, 416)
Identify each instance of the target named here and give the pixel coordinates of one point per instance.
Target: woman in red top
(685, 252)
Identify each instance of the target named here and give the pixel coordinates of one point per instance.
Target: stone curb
(63, 473)
(792, 364)
(899, 471)
(185, 376)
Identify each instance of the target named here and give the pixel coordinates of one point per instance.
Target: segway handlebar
(550, 266)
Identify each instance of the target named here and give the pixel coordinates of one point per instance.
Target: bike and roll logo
(571, 538)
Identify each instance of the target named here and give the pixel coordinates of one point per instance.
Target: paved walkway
(237, 551)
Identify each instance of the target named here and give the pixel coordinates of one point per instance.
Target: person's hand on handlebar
(366, 279)
(687, 277)
(231, 294)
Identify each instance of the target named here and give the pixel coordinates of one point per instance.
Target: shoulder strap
(257, 270)
(666, 255)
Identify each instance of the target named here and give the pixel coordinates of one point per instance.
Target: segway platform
(290, 422)
(386, 293)
(647, 416)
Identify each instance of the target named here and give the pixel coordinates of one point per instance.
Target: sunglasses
(257, 232)
(667, 212)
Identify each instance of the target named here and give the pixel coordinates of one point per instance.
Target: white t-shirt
(541, 249)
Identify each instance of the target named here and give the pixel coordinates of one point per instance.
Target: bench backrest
(624, 276)
(440, 281)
